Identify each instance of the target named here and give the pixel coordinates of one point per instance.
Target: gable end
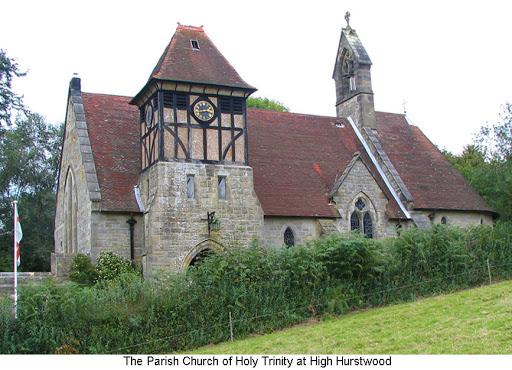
(84, 144)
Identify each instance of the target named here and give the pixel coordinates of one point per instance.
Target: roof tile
(432, 181)
(114, 134)
(295, 159)
(180, 62)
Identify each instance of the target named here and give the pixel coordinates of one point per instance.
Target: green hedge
(263, 288)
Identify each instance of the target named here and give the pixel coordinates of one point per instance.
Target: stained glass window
(354, 222)
(360, 204)
(289, 238)
(368, 225)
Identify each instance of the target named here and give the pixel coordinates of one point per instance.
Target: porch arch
(202, 248)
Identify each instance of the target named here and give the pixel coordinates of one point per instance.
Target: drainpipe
(131, 221)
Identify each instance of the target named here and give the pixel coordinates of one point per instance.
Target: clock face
(204, 111)
(149, 115)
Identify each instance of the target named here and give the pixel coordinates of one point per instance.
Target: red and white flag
(18, 234)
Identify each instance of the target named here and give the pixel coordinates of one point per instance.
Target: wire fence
(230, 323)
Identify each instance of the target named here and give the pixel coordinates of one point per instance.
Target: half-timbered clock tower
(196, 185)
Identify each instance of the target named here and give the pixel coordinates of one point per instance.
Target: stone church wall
(360, 181)
(175, 225)
(461, 218)
(360, 109)
(72, 154)
(111, 233)
(303, 228)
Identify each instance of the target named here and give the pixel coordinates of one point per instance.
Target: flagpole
(15, 262)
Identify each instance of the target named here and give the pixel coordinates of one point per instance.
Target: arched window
(347, 70)
(354, 222)
(289, 238)
(361, 218)
(368, 225)
(70, 208)
(443, 220)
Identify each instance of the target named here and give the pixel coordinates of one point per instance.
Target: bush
(264, 289)
(82, 270)
(110, 266)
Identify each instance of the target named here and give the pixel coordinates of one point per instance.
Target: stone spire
(352, 76)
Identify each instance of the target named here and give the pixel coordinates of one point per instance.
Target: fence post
(489, 271)
(230, 326)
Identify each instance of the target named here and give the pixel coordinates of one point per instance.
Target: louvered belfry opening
(205, 128)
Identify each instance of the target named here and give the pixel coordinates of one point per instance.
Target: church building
(184, 168)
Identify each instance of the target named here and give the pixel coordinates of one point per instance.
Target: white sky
(450, 61)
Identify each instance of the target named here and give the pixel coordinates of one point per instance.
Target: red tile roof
(292, 177)
(180, 62)
(295, 159)
(432, 181)
(114, 135)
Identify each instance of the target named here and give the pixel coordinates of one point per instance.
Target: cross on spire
(347, 18)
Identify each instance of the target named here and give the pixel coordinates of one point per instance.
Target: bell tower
(352, 77)
(195, 185)
(193, 106)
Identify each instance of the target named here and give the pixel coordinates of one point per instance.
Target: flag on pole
(18, 234)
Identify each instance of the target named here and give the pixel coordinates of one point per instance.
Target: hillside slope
(472, 321)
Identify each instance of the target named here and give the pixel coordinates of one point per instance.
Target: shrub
(348, 258)
(264, 289)
(82, 270)
(110, 266)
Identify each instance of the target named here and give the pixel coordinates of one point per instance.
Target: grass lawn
(472, 321)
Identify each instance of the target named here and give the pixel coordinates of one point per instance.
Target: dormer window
(195, 44)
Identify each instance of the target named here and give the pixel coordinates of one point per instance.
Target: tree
(9, 101)
(29, 155)
(495, 140)
(487, 163)
(266, 104)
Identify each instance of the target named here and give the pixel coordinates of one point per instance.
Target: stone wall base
(61, 264)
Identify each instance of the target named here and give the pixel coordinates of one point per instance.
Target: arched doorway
(201, 251)
(200, 257)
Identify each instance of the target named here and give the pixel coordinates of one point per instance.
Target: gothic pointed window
(347, 64)
(289, 238)
(70, 214)
(361, 217)
(443, 221)
(368, 225)
(354, 222)
(347, 70)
